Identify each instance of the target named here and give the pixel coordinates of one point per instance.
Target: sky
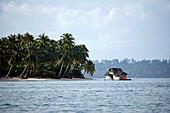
(111, 29)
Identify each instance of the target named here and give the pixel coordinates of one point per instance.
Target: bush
(76, 73)
(49, 74)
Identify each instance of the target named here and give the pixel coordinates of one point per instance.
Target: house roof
(117, 71)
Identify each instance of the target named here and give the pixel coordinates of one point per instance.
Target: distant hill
(136, 69)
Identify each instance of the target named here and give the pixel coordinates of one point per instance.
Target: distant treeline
(144, 68)
(23, 55)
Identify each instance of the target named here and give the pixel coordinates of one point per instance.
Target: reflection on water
(138, 95)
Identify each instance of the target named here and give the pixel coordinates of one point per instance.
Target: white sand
(42, 79)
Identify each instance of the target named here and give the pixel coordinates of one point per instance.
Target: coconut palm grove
(23, 55)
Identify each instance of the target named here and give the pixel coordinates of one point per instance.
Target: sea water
(138, 95)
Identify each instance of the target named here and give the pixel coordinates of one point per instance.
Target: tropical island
(24, 56)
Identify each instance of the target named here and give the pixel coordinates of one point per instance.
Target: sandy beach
(42, 79)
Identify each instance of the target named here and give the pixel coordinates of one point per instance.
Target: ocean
(143, 95)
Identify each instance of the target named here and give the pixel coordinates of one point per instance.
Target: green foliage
(26, 56)
(89, 67)
(76, 73)
(49, 74)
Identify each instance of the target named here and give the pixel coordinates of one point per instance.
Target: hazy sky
(110, 29)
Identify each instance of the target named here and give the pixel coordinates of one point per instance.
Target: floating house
(116, 74)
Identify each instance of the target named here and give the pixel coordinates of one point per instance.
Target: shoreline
(43, 79)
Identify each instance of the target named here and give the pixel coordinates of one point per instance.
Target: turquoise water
(138, 95)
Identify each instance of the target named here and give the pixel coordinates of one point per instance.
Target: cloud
(12, 7)
(134, 9)
(112, 13)
(49, 10)
(95, 18)
(72, 17)
(67, 17)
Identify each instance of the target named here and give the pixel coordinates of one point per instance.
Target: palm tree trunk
(59, 75)
(31, 70)
(57, 64)
(71, 69)
(66, 71)
(27, 68)
(9, 71)
(11, 66)
(24, 70)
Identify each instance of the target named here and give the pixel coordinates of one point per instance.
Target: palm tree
(58, 53)
(76, 57)
(66, 44)
(22, 54)
(12, 50)
(49, 51)
(68, 39)
(43, 40)
(31, 54)
(89, 67)
(11, 53)
(80, 55)
(43, 44)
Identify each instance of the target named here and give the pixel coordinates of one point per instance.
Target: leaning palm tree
(12, 50)
(76, 57)
(66, 46)
(66, 59)
(31, 54)
(89, 67)
(80, 55)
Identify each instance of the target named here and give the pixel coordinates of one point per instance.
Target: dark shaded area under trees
(23, 55)
(137, 69)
